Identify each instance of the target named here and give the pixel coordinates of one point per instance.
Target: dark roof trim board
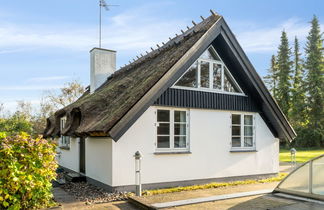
(166, 81)
(257, 82)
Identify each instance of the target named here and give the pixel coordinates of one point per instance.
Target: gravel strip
(90, 194)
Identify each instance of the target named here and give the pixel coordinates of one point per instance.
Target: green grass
(302, 155)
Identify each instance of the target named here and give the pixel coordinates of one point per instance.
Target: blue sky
(44, 44)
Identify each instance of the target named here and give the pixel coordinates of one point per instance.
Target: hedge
(27, 168)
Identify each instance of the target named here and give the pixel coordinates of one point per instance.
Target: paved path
(209, 199)
(67, 201)
(286, 167)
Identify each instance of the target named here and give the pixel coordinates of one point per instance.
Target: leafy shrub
(27, 168)
(15, 124)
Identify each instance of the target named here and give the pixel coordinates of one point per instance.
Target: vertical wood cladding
(205, 100)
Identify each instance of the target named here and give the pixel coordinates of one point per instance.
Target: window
(209, 73)
(242, 131)
(189, 79)
(172, 130)
(65, 140)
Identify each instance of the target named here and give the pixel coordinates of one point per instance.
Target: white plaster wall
(70, 158)
(210, 157)
(98, 155)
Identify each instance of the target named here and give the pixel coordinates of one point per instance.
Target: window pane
(210, 55)
(318, 181)
(248, 141)
(248, 131)
(236, 142)
(236, 130)
(229, 84)
(204, 74)
(236, 119)
(180, 129)
(298, 180)
(179, 116)
(163, 129)
(217, 78)
(189, 79)
(248, 120)
(163, 141)
(180, 142)
(163, 115)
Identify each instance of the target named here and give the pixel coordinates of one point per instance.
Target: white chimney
(102, 65)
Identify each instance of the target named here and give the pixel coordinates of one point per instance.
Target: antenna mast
(102, 3)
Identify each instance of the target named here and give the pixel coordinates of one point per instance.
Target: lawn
(302, 155)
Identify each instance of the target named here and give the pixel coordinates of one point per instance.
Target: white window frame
(211, 80)
(64, 140)
(171, 134)
(242, 134)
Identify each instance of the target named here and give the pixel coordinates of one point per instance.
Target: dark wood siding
(205, 100)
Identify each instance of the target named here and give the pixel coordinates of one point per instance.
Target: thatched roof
(95, 114)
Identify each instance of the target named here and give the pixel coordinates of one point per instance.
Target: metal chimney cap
(103, 49)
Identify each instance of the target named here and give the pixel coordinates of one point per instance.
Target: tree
(24, 110)
(52, 101)
(298, 115)
(284, 74)
(68, 94)
(314, 82)
(271, 79)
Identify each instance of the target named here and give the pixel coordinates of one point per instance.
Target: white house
(195, 108)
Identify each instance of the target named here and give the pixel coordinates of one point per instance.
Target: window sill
(64, 147)
(171, 153)
(244, 150)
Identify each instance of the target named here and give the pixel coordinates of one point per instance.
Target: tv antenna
(103, 4)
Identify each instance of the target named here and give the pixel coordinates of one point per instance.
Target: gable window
(242, 131)
(64, 140)
(172, 130)
(209, 73)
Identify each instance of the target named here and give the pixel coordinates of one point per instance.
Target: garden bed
(90, 194)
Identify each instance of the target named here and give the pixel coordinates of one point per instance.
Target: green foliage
(298, 115)
(284, 74)
(27, 168)
(271, 79)
(301, 95)
(314, 66)
(15, 124)
(278, 178)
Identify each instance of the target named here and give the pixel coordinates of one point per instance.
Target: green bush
(27, 167)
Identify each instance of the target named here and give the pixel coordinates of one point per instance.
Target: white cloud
(45, 79)
(262, 39)
(31, 87)
(132, 30)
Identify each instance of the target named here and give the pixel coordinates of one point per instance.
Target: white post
(138, 156)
